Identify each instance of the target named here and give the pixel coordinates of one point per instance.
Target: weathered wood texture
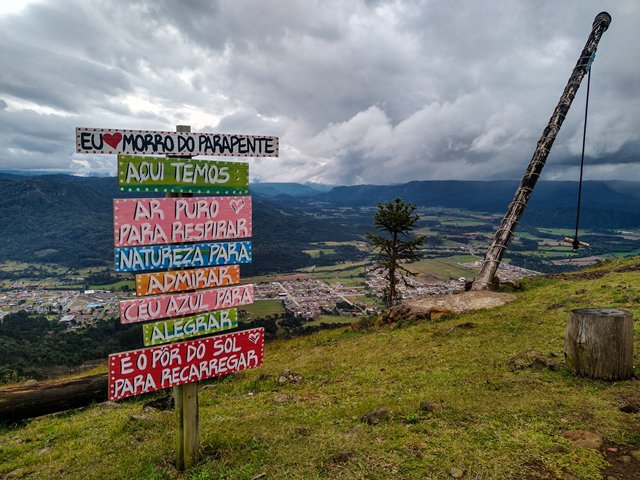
(182, 410)
(485, 278)
(598, 343)
(24, 402)
(188, 426)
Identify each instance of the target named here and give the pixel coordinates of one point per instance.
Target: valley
(338, 280)
(311, 264)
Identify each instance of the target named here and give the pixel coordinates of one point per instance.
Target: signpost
(192, 286)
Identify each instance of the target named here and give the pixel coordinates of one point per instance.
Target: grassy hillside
(494, 421)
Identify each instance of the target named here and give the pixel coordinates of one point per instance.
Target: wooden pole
(598, 343)
(186, 401)
(485, 278)
(28, 401)
(178, 401)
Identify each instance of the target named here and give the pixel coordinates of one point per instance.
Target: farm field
(263, 308)
(315, 253)
(445, 268)
(333, 319)
(115, 286)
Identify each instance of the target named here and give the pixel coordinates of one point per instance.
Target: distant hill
(553, 204)
(51, 218)
(267, 189)
(69, 220)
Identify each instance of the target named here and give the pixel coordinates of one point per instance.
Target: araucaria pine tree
(396, 219)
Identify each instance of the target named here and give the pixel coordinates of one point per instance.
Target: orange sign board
(184, 280)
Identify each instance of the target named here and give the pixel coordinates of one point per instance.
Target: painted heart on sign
(236, 205)
(254, 337)
(112, 140)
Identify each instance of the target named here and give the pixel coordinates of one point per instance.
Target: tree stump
(598, 343)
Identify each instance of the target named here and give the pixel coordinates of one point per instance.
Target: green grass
(315, 253)
(347, 275)
(333, 319)
(522, 234)
(463, 223)
(116, 286)
(362, 299)
(495, 423)
(553, 254)
(263, 308)
(443, 267)
(354, 243)
(11, 266)
(621, 254)
(341, 266)
(561, 232)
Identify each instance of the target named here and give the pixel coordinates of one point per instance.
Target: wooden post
(186, 401)
(28, 401)
(485, 278)
(599, 343)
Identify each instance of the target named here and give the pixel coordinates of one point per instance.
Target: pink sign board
(150, 142)
(156, 221)
(143, 371)
(164, 306)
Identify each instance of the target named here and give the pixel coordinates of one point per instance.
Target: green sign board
(185, 175)
(175, 329)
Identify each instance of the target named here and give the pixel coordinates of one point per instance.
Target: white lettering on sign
(142, 371)
(150, 221)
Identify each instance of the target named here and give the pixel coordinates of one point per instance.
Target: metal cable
(576, 242)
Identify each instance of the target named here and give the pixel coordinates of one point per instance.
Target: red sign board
(164, 306)
(155, 221)
(142, 371)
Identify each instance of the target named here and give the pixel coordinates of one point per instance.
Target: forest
(30, 344)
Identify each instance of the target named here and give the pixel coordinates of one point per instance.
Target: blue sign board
(163, 257)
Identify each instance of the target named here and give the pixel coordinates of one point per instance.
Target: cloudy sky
(358, 91)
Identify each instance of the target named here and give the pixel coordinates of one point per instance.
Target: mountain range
(68, 220)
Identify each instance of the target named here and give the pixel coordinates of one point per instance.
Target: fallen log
(28, 401)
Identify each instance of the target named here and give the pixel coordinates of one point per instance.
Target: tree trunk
(599, 343)
(485, 278)
(34, 400)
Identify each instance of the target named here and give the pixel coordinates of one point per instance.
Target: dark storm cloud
(52, 80)
(360, 92)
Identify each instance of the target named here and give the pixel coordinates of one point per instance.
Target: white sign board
(151, 142)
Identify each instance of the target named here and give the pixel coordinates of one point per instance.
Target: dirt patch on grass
(532, 359)
(535, 470)
(448, 330)
(463, 302)
(624, 461)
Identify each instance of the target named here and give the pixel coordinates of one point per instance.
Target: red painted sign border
(146, 370)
